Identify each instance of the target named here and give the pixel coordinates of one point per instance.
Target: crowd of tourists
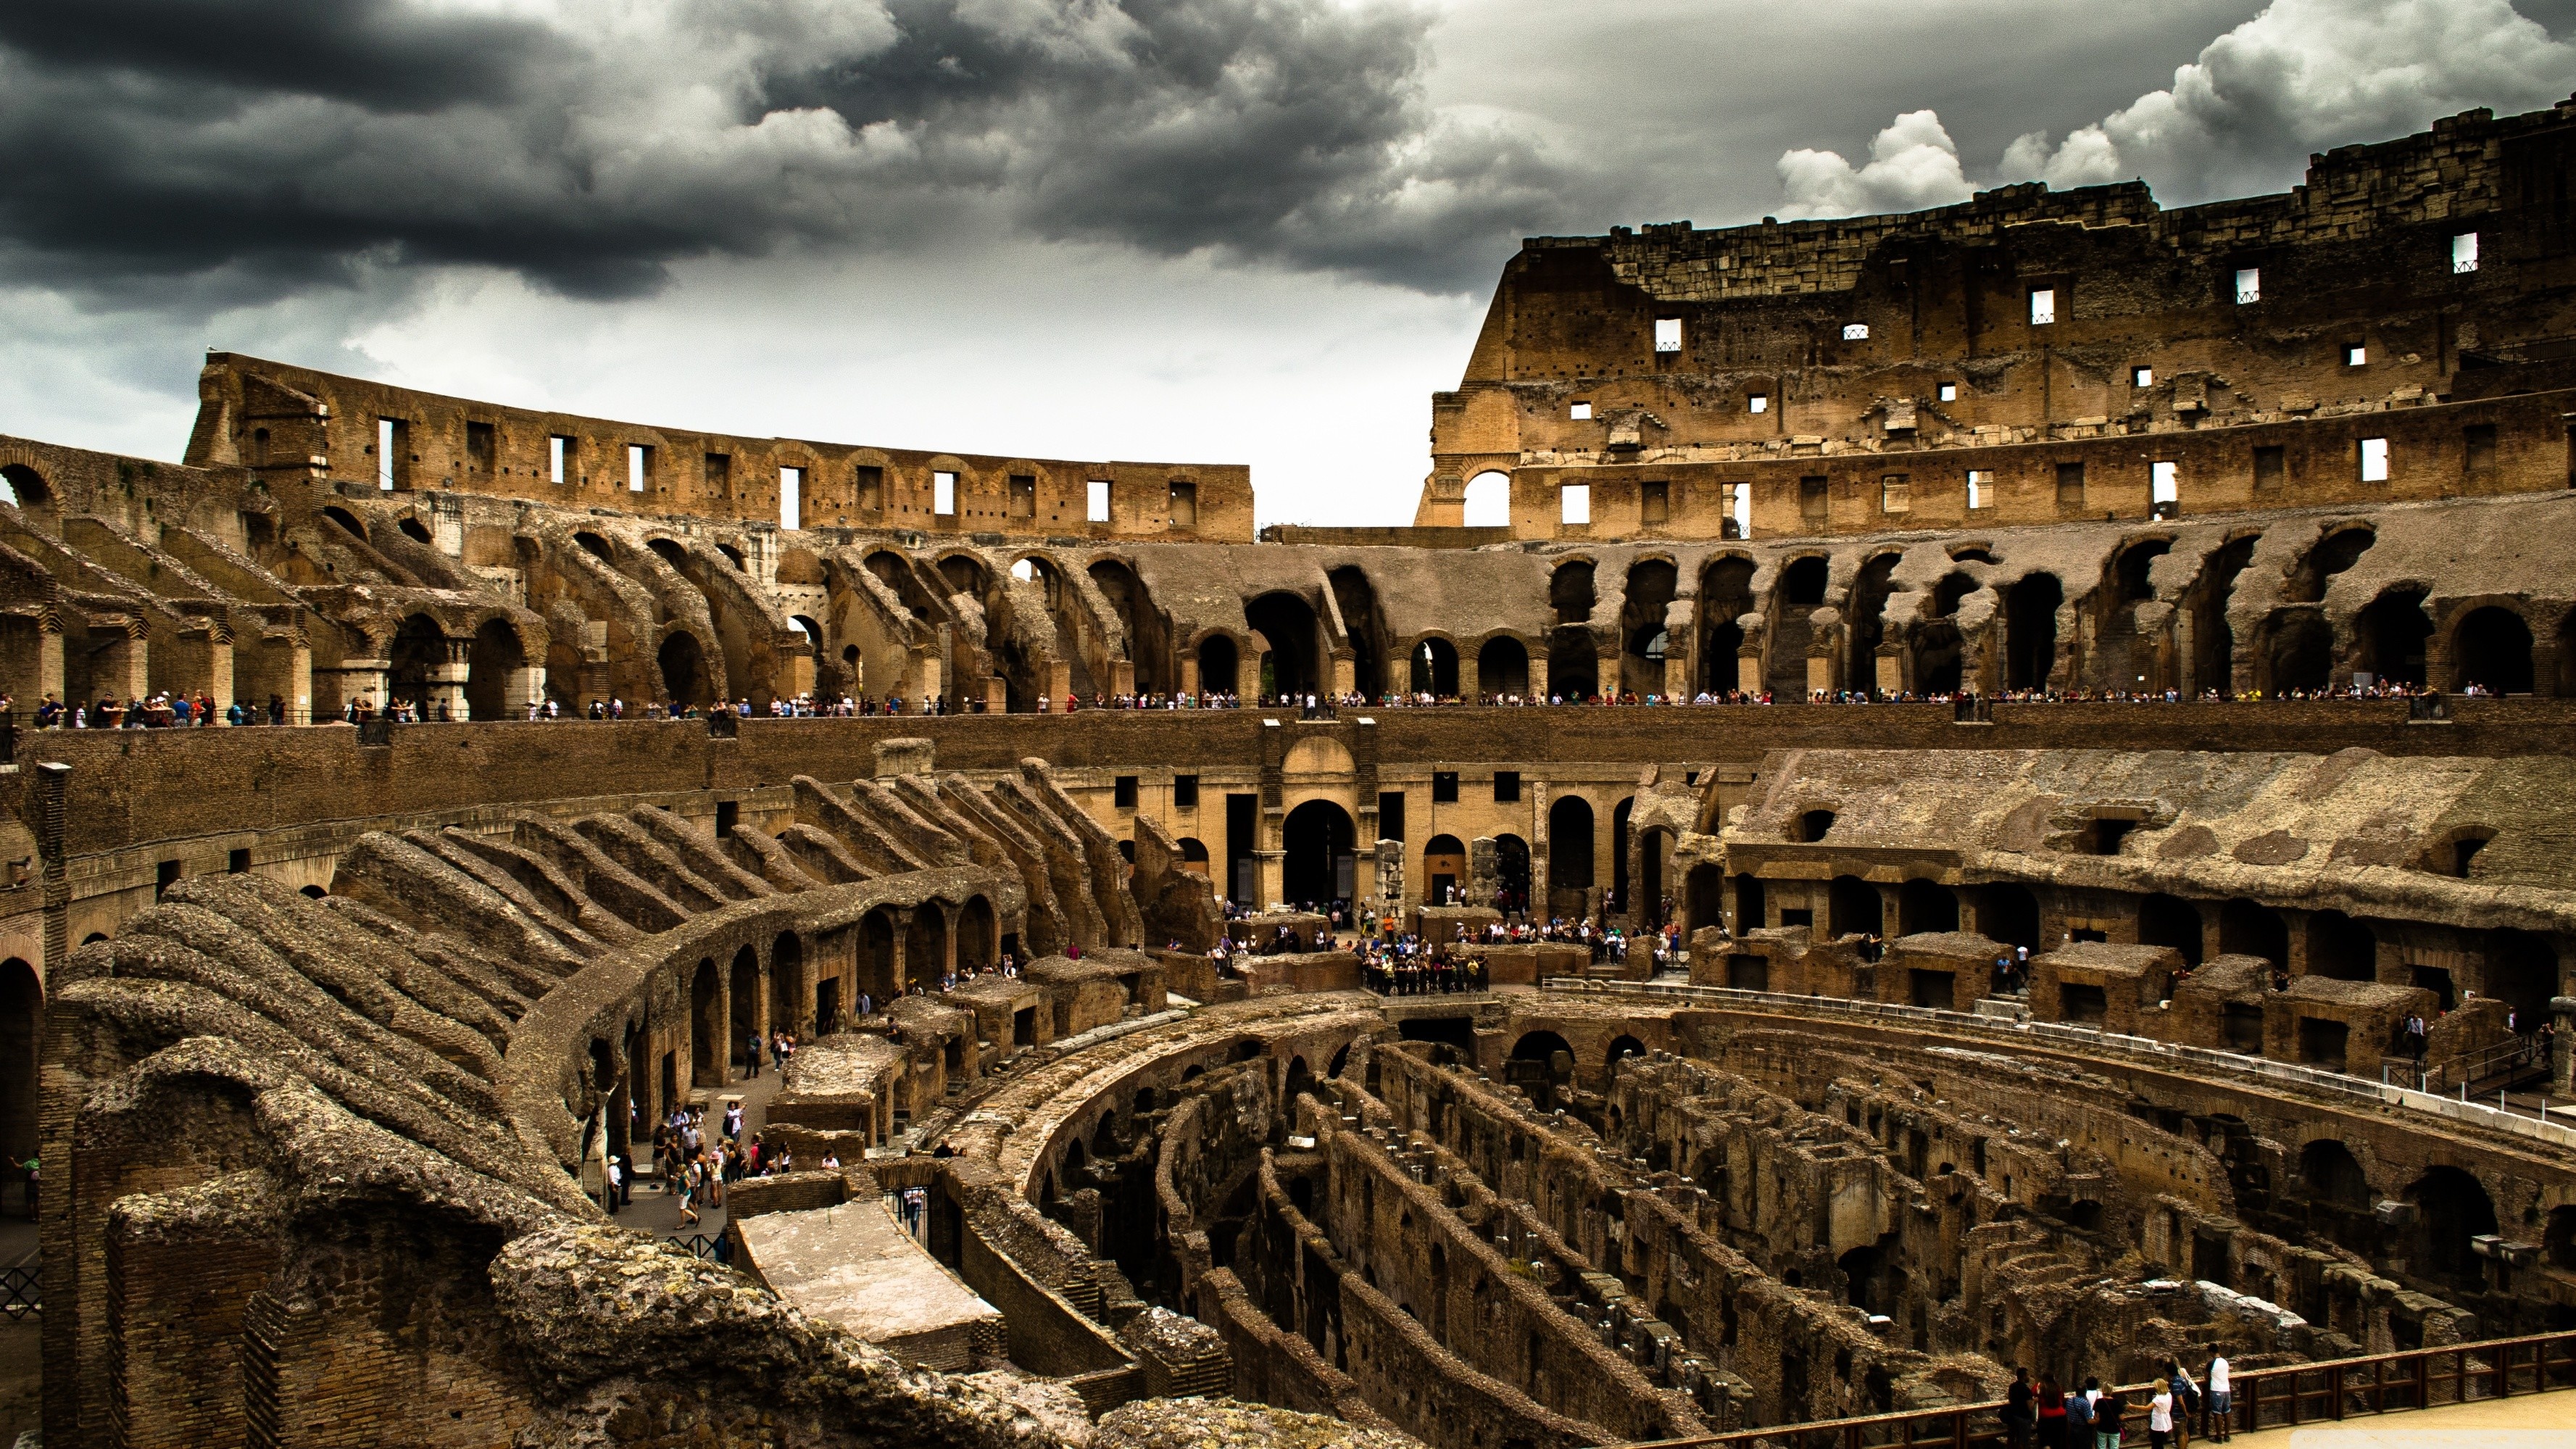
(2049, 1415)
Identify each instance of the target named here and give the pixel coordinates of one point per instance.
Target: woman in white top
(2160, 1416)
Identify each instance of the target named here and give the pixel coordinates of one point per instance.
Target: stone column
(526, 686)
(1820, 673)
(2564, 1052)
(1399, 671)
(1891, 670)
(1189, 675)
(1270, 867)
(1677, 675)
(1122, 676)
(1538, 676)
(447, 680)
(49, 662)
(1748, 672)
(1345, 671)
(899, 921)
(1606, 669)
(1058, 677)
(122, 669)
(1470, 687)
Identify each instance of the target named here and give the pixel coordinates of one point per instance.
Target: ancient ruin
(2069, 706)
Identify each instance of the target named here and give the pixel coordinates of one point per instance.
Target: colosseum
(2004, 800)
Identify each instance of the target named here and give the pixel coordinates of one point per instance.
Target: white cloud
(2303, 76)
(1912, 164)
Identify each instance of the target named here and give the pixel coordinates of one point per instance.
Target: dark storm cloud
(281, 143)
(376, 53)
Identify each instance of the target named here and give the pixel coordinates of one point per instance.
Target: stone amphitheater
(2051, 692)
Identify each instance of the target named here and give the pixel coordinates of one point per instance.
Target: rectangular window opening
(2043, 306)
(791, 498)
(2464, 252)
(2070, 485)
(1814, 496)
(1949, 392)
(1185, 504)
(390, 442)
(2142, 377)
(1895, 494)
(1024, 495)
(2164, 489)
(868, 479)
(1444, 787)
(1124, 792)
(1185, 792)
(558, 456)
(1574, 503)
(1668, 334)
(1096, 500)
(2374, 460)
(481, 447)
(2271, 468)
(639, 467)
(1581, 412)
(1507, 786)
(1390, 815)
(1739, 501)
(943, 494)
(1855, 332)
(2354, 354)
(2249, 285)
(1654, 501)
(1981, 488)
(1759, 402)
(238, 861)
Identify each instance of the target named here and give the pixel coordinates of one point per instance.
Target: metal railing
(697, 1245)
(18, 1291)
(2307, 1393)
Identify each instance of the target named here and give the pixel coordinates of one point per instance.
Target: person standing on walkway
(752, 1058)
(2160, 1416)
(2220, 1426)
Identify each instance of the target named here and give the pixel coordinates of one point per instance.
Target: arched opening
(1435, 669)
(348, 522)
(1725, 596)
(1287, 621)
(1502, 668)
(1546, 1065)
(2130, 575)
(1370, 642)
(413, 529)
(1573, 665)
(790, 1000)
(2213, 639)
(732, 555)
(2452, 1210)
(684, 671)
(1705, 888)
(1511, 874)
(2492, 650)
(2165, 920)
(2341, 948)
(1854, 907)
(876, 957)
(1318, 865)
(2299, 654)
(1868, 615)
(2010, 914)
(1619, 831)
(1217, 665)
(1489, 501)
(2030, 631)
(419, 647)
(2247, 929)
(925, 946)
(2328, 1174)
(310, 893)
(1444, 871)
(2392, 633)
(1301, 1080)
(668, 550)
(24, 489)
(1652, 852)
(1644, 641)
(1148, 632)
(592, 544)
(706, 1027)
(831, 681)
(743, 1051)
(1622, 1047)
(1800, 593)
(22, 1017)
(1194, 855)
(975, 940)
(1925, 905)
(491, 661)
(1751, 911)
(1569, 850)
(2333, 554)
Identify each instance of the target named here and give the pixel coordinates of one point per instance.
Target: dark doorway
(2165, 920)
(2030, 631)
(1435, 669)
(22, 1016)
(2493, 651)
(1287, 621)
(2247, 929)
(2011, 915)
(1318, 865)
(2341, 948)
(2393, 630)
(2453, 1210)
(1502, 668)
(1512, 867)
(706, 1027)
(684, 671)
(494, 656)
(1856, 909)
(1569, 845)
(1217, 665)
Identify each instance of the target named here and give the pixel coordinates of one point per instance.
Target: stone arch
(1855, 908)
(1365, 625)
(416, 656)
(1487, 501)
(1434, 668)
(2247, 928)
(346, 520)
(876, 956)
(493, 661)
(706, 1026)
(1294, 662)
(1868, 616)
(2030, 631)
(1444, 869)
(1925, 905)
(2335, 551)
(2297, 651)
(1512, 872)
(1569, 847)
(2491, 648)
(2452, 1210)
(745, 995)
(1644, 641)
(2329, 1174)
(682, 660)
(977, 941)
(2341, 948)
(2166, 920)
(2389, 636)
(1622, 1047)
(1654, 849)
(25, 489)
(2010, 914)
(1317, 837)
(925, 944)
(1725, 596)
(1220, 662)
(1502, 667)
(1149, 645)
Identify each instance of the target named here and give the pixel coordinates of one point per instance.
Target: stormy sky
(1224, 230)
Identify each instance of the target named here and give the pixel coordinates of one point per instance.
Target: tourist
(2106, 1419)
(2018, 1416)
(752, 1057)
(2186, 1402)
(2220, 1425)
(2160, 1416)
(616, 1185)
(2050, 1407)
(689, 1176)
(2078, 1433)
(35, 1177)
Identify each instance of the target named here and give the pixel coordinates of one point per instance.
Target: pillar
(1538, 675)
(1271, 867)
(1122, 676)
(123, 669)
(1189, 675)
(526, 686)
(927, 679)
(899, 922)
(1470, 687)
(1057, 677)
(1607, 670)
(1891, 671)
(447, 681)
(1820, 674)
(1399, 671)
(1677, 675)
(1748, 672)
(49, 661)
(1345, 671)
(800, 674)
